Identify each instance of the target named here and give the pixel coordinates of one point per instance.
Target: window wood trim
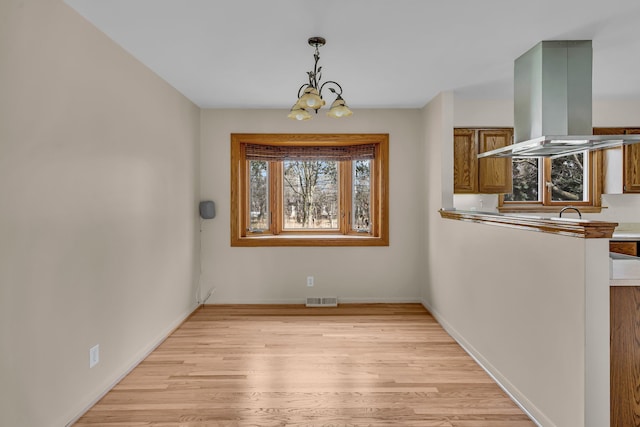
(379, 235)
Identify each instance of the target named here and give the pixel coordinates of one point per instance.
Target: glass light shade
(339, 109)
(310, 99)
(298, 113)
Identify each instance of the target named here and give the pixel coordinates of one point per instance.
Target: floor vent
(322, 302)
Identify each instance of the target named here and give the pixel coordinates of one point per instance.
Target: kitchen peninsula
(535, 310)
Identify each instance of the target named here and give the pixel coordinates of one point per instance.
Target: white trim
(518, 398)
(399, 300)
(301, 301)
(131, 366)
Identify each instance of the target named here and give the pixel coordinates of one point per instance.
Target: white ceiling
(384, 53)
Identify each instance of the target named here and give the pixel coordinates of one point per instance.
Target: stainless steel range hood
(552, 103)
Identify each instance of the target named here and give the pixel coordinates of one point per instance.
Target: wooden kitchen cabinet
(622, 165)
(465, 161)
(495, 175)
(631, 169)
(488, 175)
(624, 247)
(624, 355)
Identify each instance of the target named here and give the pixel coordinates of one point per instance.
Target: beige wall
(499, 112)
(98, 211)
(278, 275)
(479, 113)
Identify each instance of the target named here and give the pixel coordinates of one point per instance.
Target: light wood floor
(355, 365)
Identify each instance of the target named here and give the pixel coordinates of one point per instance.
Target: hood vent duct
(553, 103)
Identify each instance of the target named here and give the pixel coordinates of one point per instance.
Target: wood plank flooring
(354, 365)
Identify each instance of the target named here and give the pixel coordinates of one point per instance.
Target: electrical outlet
(94, 355)
(309, 281)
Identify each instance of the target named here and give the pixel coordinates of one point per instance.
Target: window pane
(258, 195)
(526, 179)
(361, 195)
(310, 194)
(567, 178)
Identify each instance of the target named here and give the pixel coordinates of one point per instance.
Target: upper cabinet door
(495, 174)
(632, 165)
(465, 161)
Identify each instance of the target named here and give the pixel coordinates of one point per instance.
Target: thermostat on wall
(207, 210)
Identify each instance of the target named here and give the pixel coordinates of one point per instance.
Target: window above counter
(525, 184)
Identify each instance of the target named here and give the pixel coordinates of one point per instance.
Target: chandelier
(310, 94)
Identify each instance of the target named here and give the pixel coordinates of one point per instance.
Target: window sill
(305, 240)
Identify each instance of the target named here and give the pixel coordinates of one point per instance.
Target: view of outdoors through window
(567, 178)
(361, 195)
(259, 195)
(568, 175)
(311, 194)
(526, 180)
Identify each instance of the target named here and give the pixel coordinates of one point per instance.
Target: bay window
(309, 190)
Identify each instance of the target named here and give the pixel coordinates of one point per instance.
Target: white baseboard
(407, 300)
(519, 398)
(344, 300)
(135, 362)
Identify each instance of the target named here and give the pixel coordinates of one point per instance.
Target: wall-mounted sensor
(207, 210)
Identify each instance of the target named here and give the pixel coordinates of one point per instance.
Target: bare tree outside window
(310, 194)
(258, 195)
(526, 179)
(362, 195)
(567, 178)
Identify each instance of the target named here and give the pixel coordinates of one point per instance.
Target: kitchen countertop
(627, 231)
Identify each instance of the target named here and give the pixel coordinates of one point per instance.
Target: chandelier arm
(304, 86)
(331, 89)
